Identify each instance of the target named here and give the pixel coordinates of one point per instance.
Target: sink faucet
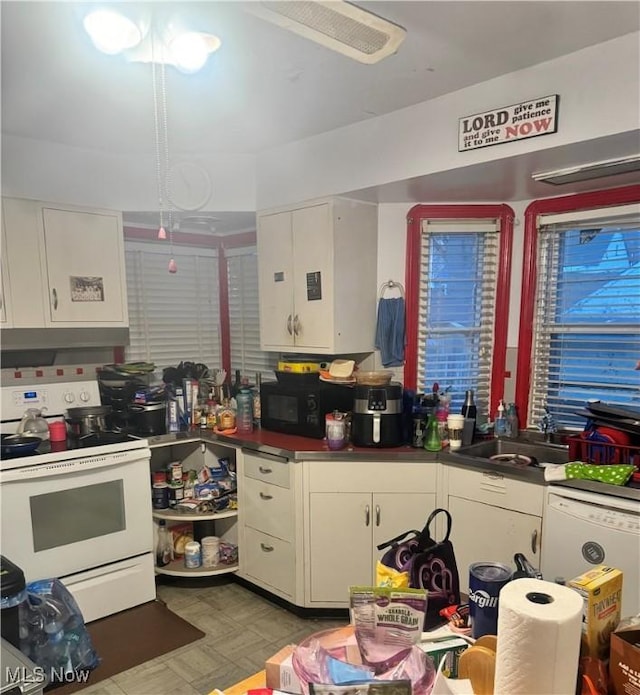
(547, 425)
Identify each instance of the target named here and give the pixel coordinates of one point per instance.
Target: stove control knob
(69, 397)
(85, 396)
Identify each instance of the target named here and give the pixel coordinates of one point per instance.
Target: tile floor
(242, 630)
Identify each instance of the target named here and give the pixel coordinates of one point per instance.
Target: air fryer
(377, 416)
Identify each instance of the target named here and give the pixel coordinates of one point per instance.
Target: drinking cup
(486, 579)
(455, 424)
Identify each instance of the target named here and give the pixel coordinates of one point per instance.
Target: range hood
(57, 338)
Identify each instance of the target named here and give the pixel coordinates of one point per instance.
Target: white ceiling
(267, 86)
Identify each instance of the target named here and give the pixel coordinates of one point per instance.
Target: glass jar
(335, 430)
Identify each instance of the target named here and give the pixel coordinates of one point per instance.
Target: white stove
(78, 510)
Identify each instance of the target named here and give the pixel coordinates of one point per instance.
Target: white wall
(48, 171)
(599, 90)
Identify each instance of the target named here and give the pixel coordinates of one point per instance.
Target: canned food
(176, 494)
(192, 555)
(176, 472)
(160, 496)
(159, 477)
(210, 551)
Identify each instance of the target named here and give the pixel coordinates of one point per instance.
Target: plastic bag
(53, 634)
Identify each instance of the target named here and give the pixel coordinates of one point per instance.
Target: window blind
(457, 293)
(244, 319)
(172, 317)
(586, 333)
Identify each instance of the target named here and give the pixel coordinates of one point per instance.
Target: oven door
(72, 515)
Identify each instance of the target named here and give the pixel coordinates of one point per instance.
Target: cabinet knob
(266, 548)
(264, 496)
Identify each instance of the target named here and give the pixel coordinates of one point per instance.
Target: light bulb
(190, 50)
(111, 32)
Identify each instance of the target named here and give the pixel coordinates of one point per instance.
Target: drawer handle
(264, 496)
(534, 541)
(296, 325)
(367, 515)
(267, 548)
(265, 470)
(289, 329)
(377, 515)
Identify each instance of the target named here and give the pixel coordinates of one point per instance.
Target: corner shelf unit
(176, 568)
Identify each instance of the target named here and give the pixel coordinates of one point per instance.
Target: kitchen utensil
(19, 444)
(374, 378)
(88, 419)
(33, 424)
(149, 418)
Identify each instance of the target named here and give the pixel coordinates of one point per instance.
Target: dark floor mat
(130, 638)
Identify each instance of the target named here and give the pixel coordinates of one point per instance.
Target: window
(244, 319)
(458, 275)
(172, 317)
(580, 324)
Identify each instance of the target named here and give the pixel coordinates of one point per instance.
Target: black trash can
(12, 593)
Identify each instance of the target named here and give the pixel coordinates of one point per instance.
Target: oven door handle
(85, 463)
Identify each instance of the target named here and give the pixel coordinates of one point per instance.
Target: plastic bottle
(500, 424)
(164, 550)
(432, 437)
(244, 415)
(513, 427)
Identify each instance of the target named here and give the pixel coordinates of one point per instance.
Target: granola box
(601, 591)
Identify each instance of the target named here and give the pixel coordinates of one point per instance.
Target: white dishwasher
(581, 529)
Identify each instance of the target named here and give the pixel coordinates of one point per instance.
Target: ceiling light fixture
(593, 170)
(169, 43)
(335, 24)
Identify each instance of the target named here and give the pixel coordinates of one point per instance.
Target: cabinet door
(482, 532)
(313, 280)
(5, 298)
(395, 513)
(275, 276)
(85, 267)
(340, 544)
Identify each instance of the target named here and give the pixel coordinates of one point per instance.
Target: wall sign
(314, 286)
(508, 124)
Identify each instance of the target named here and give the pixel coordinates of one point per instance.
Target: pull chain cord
(162, 234)
(173, 267)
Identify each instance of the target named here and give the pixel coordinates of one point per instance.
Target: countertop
(294, 448)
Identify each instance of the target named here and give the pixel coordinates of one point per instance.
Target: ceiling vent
(594, 170)
(337, 25)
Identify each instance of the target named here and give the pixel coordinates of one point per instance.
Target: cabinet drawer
(268, 508)
(269, 560)
(356, 476)
(269, 470)
(491, 487)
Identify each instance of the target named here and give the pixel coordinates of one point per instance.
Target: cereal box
(601, 590)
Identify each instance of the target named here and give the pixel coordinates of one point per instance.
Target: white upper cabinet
(65, 265)
(317, 273)
(6, 318)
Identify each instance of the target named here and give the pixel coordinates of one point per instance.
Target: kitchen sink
(516, 451)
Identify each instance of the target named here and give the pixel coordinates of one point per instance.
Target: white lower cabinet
(350, 508)
(493, 518)
(267, 514)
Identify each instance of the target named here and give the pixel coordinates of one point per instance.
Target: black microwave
(300, 409)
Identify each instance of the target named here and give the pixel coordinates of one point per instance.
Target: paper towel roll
(539, 628)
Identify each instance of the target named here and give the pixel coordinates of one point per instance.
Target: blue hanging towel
(390, 336)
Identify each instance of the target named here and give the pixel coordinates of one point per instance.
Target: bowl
(375, 378)
(310, 661)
